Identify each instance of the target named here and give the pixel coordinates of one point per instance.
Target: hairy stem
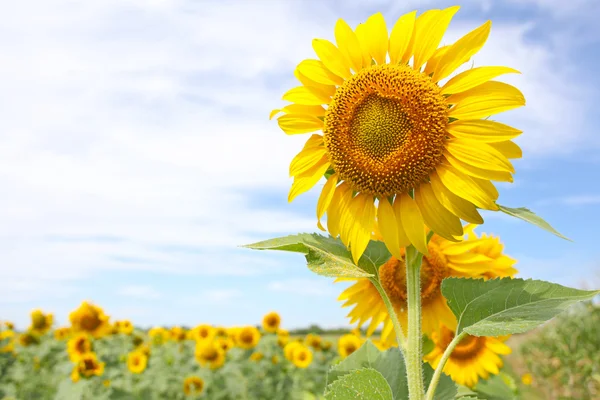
(438, 371)
(390, 308)
(414, 356)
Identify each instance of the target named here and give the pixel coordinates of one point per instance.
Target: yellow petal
(501, 176)
(308, 179)
(317, 111)
(489, 189)
(429, 30)
(341, 197)
(436, 217)
(461, 51)
(464, 186)
(348, 44)
(318, 88)
(434, 60)
(400, 37)
(294, 124)
(332, 57)
(474, 77)
(478, 154)
(412, 222)
(325, 198)
(302, 95)
(361, 34)
(376, 37)
(482, 130)
(484, 100)
(508, 148)
(388, 226)
(363, 209)
(306, 159)
(457, 205)
(318, 72)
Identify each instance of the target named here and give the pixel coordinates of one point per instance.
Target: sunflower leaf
(328, 256)
(505, 306)
(529, 216)
(365, 383)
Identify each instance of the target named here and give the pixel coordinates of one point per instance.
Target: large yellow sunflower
(91, 319)
(473, 257)
(40, 322)
(399, 149)
(271, 322)
(473, 358)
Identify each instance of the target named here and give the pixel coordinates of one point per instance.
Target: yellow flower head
(124, 326)
(474, 257)
(40, 322)
(398, 148)
(248, 337)
(137, 362)
(527, 379)
(106, 383)
(221, 332)
(91, 319)
(473, 358)
(289, 348)
(62, 333)
(193, 385)
(203, 332)
(7, 341)
(178, 334)
(271, 322)
(282, 340)
(159, 335)
(356, 331)
(225, 343)
(275, 359)
(87, 366)
(326, 345)
(348, 344)
(9, 325)
(313, 340)
(256, 356)
(302, 356)
(79, 345)
(209, 353)
(28, 339)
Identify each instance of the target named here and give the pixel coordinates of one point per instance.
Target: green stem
(400, 338)
(414, 363)
(438, 371)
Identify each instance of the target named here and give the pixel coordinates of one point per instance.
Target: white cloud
(142, 292)
(573, 200)
(303, 287)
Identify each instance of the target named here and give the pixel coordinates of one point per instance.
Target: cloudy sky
(136, 153)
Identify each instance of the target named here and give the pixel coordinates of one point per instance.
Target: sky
(136, 153)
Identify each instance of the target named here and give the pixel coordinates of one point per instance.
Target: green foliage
(505, 306)
(328, 256)
(529, 216)
(365, 383)
(498, 387)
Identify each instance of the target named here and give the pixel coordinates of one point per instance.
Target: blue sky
(136, 152)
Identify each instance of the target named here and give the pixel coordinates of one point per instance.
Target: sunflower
(302, 356)
(271, 322)
(209, 353)
(225, 343)
(474, 357)
(289, 348)
(78, 345)
(221, 332)
(124, 326)
(275, 359)
(193, 385)
(40, 322)
(7, 341)
(87, 366)
(256, 356)
(473, 257)
(159, 335)
(398, 148)
(178, 334)
(282, 340)
(62, 333)
(313, 340)
(28, 338)
(348, 344)
(326, 345)
(202, 332)
(91, 319)
(137, 362)
(248, 337)
(106, 383)
(526, 379)
(9, 325)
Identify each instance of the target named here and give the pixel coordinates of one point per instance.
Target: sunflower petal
(308, 179)
(487, 99)
(293, 124)
(436, 217)
(412, 222)
(429, 30)
(474, 77)
(341, 196)
(376, 36)
(306, 159)
(482, 130)
(464, 186)
(348, 44)
(435, 59)
(317, 88)
(364, 211)
(325, 198)
(400, 37)
(302, 95)
(317, 111)
(478, 154)
(331, 56)
(508, 148)
(461, 51)
(388, 226)
(469, 169)
(361, 34)
(455, 204)
(318, 72)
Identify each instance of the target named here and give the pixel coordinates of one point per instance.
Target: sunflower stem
(414, 356)
(438, 371)
(400, 338)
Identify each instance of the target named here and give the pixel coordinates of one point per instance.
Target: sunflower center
(385, 129)
(90, 322)
(467, 348)
(39, 321)
(392, 276)
(89, 364)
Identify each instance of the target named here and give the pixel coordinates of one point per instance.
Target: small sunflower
(28, 339)
(91, 319)
(527, 379)
(203, 332)
(178, 334)
(282, 340)
(271, 322)
(474, 257)
(137, 362)
(326, 345)
(289, 348)
(106, 383)
(256, 356)
(473, 358)
(62, 333)
(221, 331)
(302, 356)
(313, 340)
(348, 344)
(40, 322)
(159, 335)
(87, 366)
(9, 325)
(275, 359)
(7, 341)
(193, 386)
(209, 353)
(398, 148)
(248, 337)
(79, 345)
(124, 326)
(225, 343)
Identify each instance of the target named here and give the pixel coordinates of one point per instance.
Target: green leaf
(428, 345)
(506, 306)
(496, 388)
(328, 256)
(365, 383)
(529, 216)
